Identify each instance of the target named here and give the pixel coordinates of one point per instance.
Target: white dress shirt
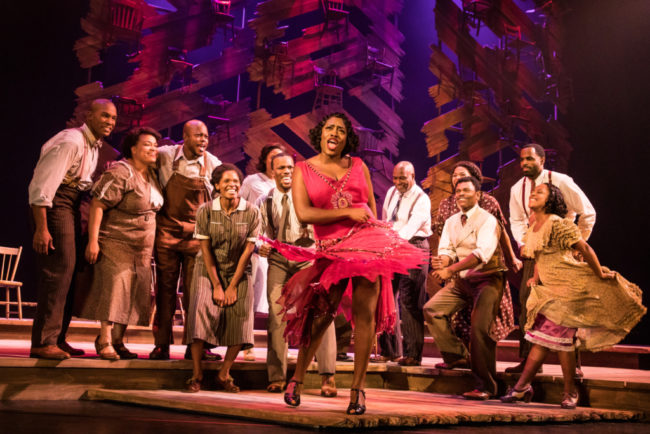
(167, 155)
(576, 201)
(479, 237)
(409, 224)
(70, 158)
(295, 229)
(255, 186)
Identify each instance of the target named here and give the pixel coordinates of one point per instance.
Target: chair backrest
(221, 6)
(10, 258)
(334, 5)
(324, 78)
(126, 14)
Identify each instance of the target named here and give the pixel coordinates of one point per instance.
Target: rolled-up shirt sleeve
(202, 227)
(57, 157)
(487, 239)
(444, 246)
(578, 202)
(254, 226)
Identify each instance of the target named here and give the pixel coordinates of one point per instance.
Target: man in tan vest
(470, 260)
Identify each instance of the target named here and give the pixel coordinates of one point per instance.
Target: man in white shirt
(184, 172)
(63, 172)
(279, 222)
(252, 188)
(409, 209)
(532, 158)
(470, 260)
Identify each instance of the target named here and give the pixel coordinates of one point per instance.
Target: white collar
(471, 212)
(277, 193)
(92, 140)
(181, 154)
(216, 204)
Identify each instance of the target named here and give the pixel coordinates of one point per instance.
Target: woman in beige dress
(121, 231)
(571, 304)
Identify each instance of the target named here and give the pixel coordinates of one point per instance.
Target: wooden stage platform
(424, 395)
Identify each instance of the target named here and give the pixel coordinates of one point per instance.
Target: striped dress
(228, 236)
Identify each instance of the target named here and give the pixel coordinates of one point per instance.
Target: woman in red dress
(355, 256)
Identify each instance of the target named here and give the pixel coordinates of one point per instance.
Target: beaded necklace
(340, 198)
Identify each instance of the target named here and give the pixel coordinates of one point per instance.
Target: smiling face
(459, 172)
(333, 137)
(531, 163)
(229, 184)
(538, 197)
(466, 195)
(101, 118)
(195, 139)
(403, 178)
(283, 172)
(145, 150)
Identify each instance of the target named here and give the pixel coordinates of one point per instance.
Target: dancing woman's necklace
(340, 198)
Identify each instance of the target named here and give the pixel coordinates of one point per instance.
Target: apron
(176, 219)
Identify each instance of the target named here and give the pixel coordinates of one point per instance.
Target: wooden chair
(512, 41)
(125, 20)
(327, 92)
(221, 11)
(130, 111)
(10, 259)
(377, 66)
(333, 11)
(281, 61)
(369, 149)
(475, 11)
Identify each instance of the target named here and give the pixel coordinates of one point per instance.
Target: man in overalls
(184, 172)
(63, 172)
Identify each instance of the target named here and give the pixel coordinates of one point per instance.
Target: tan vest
(465, 242)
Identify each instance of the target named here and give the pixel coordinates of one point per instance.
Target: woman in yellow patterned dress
(571, 304)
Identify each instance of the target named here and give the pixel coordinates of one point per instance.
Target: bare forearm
(589, 256)
(95, 217)
(313, 215)
(40, 217)
(470, 261)
(506, 246)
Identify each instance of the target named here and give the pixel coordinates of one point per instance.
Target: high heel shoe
(514, 395)
(291, 397)
(356, 408)
(570, 401)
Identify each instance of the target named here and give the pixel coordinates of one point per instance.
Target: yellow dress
(571, 295)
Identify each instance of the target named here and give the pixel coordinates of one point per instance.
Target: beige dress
(571, 295)
(121, 289)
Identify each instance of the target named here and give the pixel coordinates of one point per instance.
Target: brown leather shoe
(456, 364)
(160, 352)
(276, 387)
(383, 359)
(228, 385)
(409, 361)
(328, 387)
(192, 385)
(74, 352)
(51, 352)
(477, 395)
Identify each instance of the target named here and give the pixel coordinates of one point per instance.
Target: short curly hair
(218, 172)
(266, 150)
(352, 143)
(132, 137)
(555, 202)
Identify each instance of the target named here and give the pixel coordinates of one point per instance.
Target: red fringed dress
(344, 249)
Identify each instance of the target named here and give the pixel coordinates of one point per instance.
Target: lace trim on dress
(556, 230)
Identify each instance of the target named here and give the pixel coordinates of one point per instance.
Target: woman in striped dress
(220, 301)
